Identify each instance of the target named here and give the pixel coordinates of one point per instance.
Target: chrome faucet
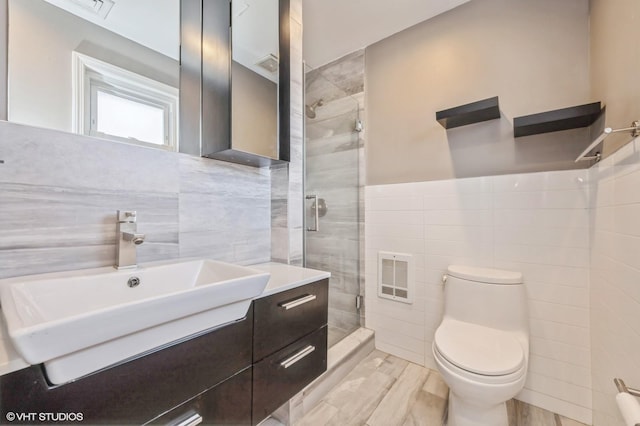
(128, 239)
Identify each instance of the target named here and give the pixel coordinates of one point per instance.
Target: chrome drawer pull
(297, 357)
(301, 301)
(190, 418)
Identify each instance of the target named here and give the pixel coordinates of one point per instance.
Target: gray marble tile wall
(286, 182)
(280, 214)
(334, 172)
(225, 210)
(59, 194)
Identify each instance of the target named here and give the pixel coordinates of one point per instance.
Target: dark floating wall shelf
(554, 121)
(475, 112)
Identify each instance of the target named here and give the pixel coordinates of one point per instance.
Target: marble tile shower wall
(59, 194)
(615, 279)
(334, 152)
(534, 223)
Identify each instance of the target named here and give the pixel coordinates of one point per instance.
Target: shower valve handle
(314, 206)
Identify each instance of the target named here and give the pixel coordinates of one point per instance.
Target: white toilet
(482, 345)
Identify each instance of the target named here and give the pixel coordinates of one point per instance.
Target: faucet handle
(127, 216)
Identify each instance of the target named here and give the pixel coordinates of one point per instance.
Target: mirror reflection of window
(113, 103)
(132, 98)
(115, 117)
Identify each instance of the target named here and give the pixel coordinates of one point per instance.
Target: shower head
(310, 110)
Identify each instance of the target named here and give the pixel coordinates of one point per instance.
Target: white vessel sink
(82, 321)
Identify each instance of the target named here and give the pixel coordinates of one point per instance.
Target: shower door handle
(314, 206)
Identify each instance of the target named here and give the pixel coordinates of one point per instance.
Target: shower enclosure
(333, 218)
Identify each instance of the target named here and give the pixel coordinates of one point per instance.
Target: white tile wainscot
(536, 223)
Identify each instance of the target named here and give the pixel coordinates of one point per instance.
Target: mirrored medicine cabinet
(202, 77)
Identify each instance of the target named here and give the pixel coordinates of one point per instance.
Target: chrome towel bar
(623, 388)
(634, 130)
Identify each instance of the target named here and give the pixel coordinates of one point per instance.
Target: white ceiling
(152, 23)
(333, 28)
(255, 33)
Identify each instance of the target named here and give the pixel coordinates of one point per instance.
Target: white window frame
(91, 74)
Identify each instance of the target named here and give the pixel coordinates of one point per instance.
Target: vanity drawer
(229, 403)
(285, 317)
(282, 375)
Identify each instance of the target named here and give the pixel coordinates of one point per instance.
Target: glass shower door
(332, 194)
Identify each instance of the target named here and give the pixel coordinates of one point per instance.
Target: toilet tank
(491, 297)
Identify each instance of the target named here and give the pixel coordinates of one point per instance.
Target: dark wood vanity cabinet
(289, 344)
(138, 391)
(236, 374)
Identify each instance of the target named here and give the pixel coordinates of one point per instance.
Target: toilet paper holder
(623, 388)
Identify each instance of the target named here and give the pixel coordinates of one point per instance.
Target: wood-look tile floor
(384, 390)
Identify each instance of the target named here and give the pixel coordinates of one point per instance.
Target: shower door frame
(357, 298)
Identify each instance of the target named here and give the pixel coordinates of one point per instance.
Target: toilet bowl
(481, 348)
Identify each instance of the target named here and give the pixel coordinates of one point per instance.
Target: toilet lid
(479, 349)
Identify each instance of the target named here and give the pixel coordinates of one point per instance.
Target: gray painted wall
(532, 54)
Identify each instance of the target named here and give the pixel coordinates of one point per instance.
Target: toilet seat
(478, 352)
(473, 377)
